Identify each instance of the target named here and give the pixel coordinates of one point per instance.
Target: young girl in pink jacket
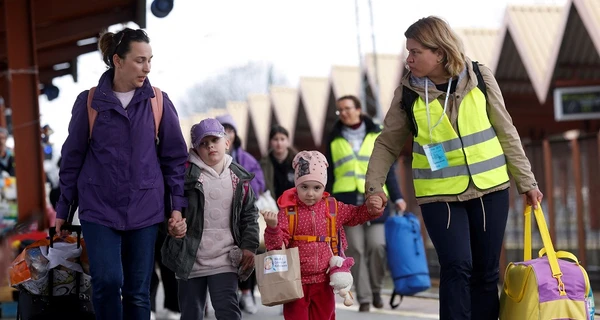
(312, 220)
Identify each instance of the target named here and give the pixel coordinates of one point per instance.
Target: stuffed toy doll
(341, 278)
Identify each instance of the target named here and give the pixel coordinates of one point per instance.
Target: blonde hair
(435, 34)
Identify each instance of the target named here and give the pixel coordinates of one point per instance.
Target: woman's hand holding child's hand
(270, 218)
(177, 225)
(375, 205)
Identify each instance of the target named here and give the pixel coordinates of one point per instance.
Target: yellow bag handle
(552, 259)
(572, 257)
(560, 255)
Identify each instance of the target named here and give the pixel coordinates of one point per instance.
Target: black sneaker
(364, 307)
(377, 302)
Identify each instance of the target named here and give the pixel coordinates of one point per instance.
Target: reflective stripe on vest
(474, 154)
(349, 168)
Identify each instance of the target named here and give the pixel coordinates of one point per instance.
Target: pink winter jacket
(312, 220)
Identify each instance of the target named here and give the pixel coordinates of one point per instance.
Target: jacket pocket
(103, 131)
(309, 257)
(172, 254)
(150, 176)
(148, 184)
(97, 180)
(149, 202)
(95, 193)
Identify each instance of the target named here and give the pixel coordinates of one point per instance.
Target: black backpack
(409, 97)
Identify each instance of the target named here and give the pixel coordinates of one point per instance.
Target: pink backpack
(157, 109)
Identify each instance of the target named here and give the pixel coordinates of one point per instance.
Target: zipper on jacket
(316, 243)
(462, 145)
(414, 121)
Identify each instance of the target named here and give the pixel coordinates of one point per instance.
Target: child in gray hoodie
(223, 228)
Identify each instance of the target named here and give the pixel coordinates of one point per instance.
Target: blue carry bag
(406, 256)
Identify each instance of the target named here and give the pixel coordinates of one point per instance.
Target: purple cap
(206, 127)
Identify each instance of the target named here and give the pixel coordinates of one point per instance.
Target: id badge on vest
(436, 156)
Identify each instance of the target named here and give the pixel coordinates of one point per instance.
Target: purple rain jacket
(248, 162)
(118, 178)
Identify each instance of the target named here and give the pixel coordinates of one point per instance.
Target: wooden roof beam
(74, 30)
(56, 55)
(47, 13)
(80, 28)
(47, 74)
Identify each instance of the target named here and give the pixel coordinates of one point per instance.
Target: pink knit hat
(310, 166)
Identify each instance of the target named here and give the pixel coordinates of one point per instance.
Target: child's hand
(177, 225)
(375, 205)
(401, 205)
(270, 218)
(247, 260)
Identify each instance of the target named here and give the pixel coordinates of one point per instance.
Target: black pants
(168, 279)
(468, 239)
(223, 295)
(249, 284)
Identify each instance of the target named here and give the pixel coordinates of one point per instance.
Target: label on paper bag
(436, 156)
(276, 263)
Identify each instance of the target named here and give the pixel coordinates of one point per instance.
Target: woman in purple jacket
(118, 176)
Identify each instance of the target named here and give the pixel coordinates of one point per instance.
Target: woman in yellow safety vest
(349, 148)
(463, 148)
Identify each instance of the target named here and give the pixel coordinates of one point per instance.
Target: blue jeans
(121, 264)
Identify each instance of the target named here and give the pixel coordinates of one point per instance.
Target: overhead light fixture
(51, 91)
(161, 8)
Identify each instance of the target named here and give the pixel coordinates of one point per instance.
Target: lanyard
(427, 107)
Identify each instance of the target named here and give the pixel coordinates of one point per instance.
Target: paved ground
(425, 306)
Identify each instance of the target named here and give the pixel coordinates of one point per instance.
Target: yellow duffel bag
(552, 286)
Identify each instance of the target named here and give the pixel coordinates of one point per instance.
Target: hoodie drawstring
(449, 215)
(483, 209)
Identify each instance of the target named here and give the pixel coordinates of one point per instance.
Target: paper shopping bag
(278, 276)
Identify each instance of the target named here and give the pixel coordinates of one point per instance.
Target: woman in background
(277, 165)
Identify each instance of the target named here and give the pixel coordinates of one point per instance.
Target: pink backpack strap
(92, 113)
(246, 186)
(332, 206)
(157, 110)
(156, 103)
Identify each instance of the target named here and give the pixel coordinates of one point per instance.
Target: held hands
(177, 226)
(534, 196)
(376, 203)
(270, 218)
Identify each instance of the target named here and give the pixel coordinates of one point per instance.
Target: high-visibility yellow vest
(473, 153)
(349, 168)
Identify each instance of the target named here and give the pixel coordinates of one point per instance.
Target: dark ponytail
(119, 43)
